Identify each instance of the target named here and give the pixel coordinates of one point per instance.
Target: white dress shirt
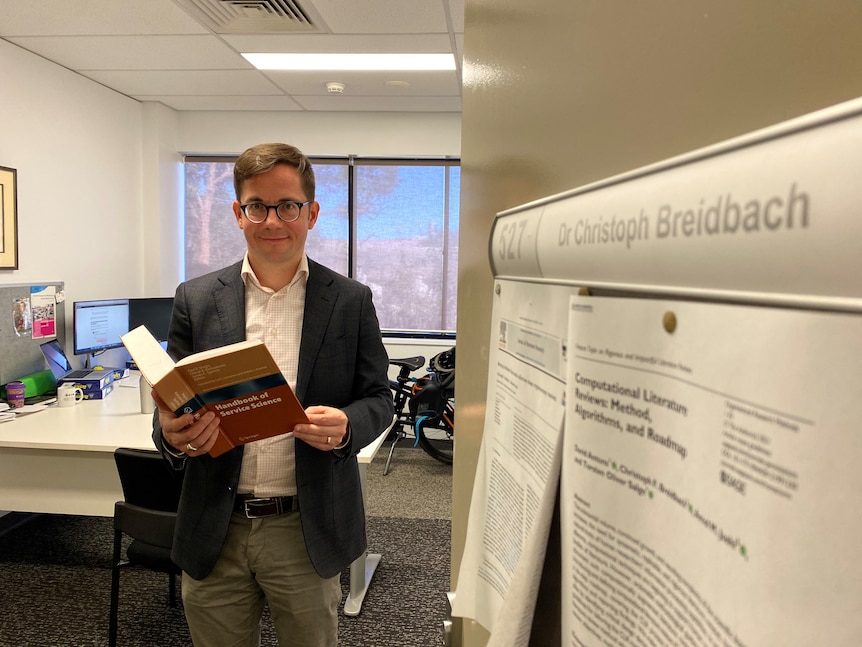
(269, 465)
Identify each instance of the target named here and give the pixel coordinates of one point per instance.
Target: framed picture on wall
(8, 219)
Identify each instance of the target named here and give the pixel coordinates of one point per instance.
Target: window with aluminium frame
(391, 223)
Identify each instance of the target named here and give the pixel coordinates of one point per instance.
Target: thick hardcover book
(240, 382)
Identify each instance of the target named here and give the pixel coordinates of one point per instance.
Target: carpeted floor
(55, 573)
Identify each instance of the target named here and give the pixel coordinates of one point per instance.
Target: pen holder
(146, 391)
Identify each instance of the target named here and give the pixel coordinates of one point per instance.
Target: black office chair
(147, 515)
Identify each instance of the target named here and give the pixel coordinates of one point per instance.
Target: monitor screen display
(99, 324)
(154, 313)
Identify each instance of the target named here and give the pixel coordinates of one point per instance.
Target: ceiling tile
(156, 50)
(381, 104)
(205, 82)
(456, 15)
(426, 84)
(362, 43)
(383, 16)
(233, 103)
(95, 17)
(135, 52)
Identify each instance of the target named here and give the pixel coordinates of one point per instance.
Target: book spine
(178, 395)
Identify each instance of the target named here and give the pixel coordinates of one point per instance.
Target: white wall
(77, 150)
(323, 133)
(100, 175)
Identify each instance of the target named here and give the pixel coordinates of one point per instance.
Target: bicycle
(425, 404)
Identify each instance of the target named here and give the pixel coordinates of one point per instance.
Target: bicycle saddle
(413, 363)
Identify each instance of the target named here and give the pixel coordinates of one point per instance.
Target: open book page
(216, 352)
(151, 359)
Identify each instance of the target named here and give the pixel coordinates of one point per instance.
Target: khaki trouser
(263, 561)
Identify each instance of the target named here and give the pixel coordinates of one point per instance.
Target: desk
(363, 567)
(61, 461)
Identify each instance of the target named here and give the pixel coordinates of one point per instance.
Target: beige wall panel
(559, 93)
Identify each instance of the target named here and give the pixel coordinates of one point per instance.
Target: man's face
(273, 242)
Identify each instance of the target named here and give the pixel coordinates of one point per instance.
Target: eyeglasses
(286, 210)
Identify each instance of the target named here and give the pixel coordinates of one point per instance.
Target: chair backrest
(146, 479)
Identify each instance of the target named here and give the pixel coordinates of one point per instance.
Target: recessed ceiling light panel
(351, 62)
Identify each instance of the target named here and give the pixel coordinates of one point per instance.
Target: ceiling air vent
(251, 16)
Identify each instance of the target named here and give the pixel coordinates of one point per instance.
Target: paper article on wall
(518, 472)
(709, 476)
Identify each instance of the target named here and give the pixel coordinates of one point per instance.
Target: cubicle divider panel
(30, 314)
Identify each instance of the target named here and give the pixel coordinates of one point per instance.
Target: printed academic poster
(710, 476)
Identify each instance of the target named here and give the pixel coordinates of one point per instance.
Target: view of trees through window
(398, 234)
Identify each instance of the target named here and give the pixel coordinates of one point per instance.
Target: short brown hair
(261, 158)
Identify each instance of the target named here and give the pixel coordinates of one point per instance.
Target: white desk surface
(90, 426)
(367, 453)
(100, 426)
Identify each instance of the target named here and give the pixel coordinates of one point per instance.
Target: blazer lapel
(229, 301)
(319, 304)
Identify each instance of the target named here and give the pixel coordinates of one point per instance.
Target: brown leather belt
(254, 507)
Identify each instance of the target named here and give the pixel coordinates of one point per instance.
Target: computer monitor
(154, 313)
(99, 324)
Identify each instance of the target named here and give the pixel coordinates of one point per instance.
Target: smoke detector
(333, 87)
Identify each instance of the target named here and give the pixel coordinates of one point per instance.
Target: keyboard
(77, 375)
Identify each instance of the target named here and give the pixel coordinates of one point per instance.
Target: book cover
(240, 382)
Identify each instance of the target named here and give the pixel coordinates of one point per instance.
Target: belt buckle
(269, 502)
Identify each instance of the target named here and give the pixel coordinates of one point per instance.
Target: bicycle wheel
(436, 440)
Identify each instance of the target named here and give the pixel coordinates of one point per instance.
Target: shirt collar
(247, 273)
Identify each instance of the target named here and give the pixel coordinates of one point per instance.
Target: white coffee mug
(68, 395)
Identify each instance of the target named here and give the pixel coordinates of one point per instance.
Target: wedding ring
(191, 448)
(328, 439)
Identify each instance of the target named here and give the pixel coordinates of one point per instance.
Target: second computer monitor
(154, 313)
(98, 324)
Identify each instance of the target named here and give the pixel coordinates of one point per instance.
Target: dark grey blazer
(342, 363)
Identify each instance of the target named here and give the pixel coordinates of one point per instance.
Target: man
(287, 551)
